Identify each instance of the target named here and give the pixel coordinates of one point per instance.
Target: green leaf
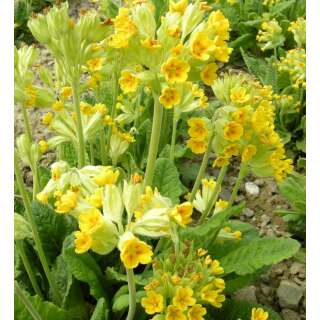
(45, 176)
(166, 179)
(205, 231)
(280, 7)
(46, 309)
(22, 229)
(84, 268)
(259, 253)
(122, 301)
(140, 279)
(101, 311)
(68, 153)
(235, 282)
(235, 310)
(52, 229)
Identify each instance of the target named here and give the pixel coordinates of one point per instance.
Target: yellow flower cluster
(294, 63)
(270, 35)
(246, 127)
(298, 28)
(198, 133)
(179, 291)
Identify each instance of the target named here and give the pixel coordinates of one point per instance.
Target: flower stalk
(241, 175)
(81, 145)
(202, 169)
(173, 137)
(132, 294)
(215, 194)
(102, 146)
(27, 127)
(35, 233)
(27, 266)
(154, 141)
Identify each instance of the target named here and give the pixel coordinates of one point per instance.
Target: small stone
(266, 290)
(248, 212)
(252, 189)
(289, 294)
(288, 314)
(265, 219)
(247, 294)
(296, 268)
(259, 182)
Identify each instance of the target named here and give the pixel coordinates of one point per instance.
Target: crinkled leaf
(22, 229)
(84, 268)
(257, 254)
(52, 229)
(122, 302)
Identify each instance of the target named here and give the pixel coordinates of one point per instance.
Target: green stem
(113, 108)
(27, 127)
(27, 266)
(132, 294)
(173, 137)
(202, 169)
(91, 153)
(154, 141)
(215, 195)
(36, 181)
(81, 146)
(241, 175)
(25, 301)
(35, 233)
(102, 146)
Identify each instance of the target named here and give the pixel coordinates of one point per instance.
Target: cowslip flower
(197, 128)
(197, 146)
(259, 314)
(169, 97)
(197, 312)
(183, 298)
(153, 303)
(233, 131)
(208, 73)
(175, 70)
(128, 82)
(182, 213)
(239, 95)
(201, 46)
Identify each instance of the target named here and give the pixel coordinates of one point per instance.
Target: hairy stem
(241, 175)
(202, 169)
(102, 140)
(132, 294)
(154, 141)
(173, 137)
(35, 233)
(27, 266)
(27, 127)
(81, 145)
(24, 299)
(215, 195)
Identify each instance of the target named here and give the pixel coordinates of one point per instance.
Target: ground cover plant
(148, 107)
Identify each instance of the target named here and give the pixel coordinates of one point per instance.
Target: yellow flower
(174, 31)
(31, 96)
(241, 114)
(174, 313)
(197, 312)
(169, 97)
(135, 251)
(219, 24)
(43, 146)
(58, 106)
(90, 220)
(259, 314)
(215, 268)
(239, 95)
(220, 162)
(177, 49)
(221, 204)
(182, 213)
(178, 7)
(55, 173)
(86, 108)
(82, 242)
(201, 45)
(42, 197)
(96, 199)
(150, 43)
(208, 293)
(197, 146)
(153, 303)
(128, 82)
(66, 92)
(183, 298)
(219, 283)
(123, 23)
(66, 202)
(208, 74)
(201, 252)
(233, 131)
(221, 51)
(101, 108)
(47, 118)
(106, 177)
(118, 40)
(175, 70)
(95, 64)
(175, 279)
(231, 150)
(152, 285)
(248, 152)
(197, 128)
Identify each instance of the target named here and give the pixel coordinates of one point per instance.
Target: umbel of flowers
(182, 284)
(94, 196)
